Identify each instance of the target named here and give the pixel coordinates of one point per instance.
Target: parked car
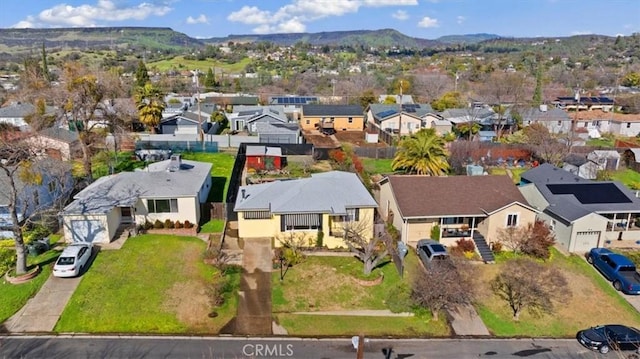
(430, 250)
(73, 260)
(603, 338)
(616, 268)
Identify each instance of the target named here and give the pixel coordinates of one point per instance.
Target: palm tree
(150, 104)
(423, 153)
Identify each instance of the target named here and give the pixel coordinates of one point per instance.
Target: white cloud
(295, 15)
(582, 32)
(86, 15)
(400, 15)
(202, 19)
(460, 19)
(427, 22)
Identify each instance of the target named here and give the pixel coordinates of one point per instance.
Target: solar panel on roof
(590, 193)
(386, 113)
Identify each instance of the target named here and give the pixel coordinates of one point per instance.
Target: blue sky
(426, 19)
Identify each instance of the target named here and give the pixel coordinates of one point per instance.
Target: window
(628, 124)
(350, 119)
(300, 222)
(36, 198)
(163, 205)
(353, 214)
(52, 187)
(256, 215)
(308, 122)
(586, 124)
(453, 220)
(512, 220)
(559, 123)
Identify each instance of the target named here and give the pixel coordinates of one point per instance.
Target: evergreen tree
(45, 66)
(209, 80)
(537, 93)
(142, 75)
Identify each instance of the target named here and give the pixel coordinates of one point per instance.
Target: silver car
(73, 260)
(430, 250)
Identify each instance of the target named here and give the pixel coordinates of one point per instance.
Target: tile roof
(606, 116)
(426, 196)
(330, 192)
(332, 110)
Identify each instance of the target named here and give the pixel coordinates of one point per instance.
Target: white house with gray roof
(582, 213)
(410, 117)
(173, 189)
(16, 112)
(323, 203)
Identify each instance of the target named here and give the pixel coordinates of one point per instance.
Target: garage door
(88, 231)
(586, 240)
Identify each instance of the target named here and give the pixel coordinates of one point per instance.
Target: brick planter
(174, 231)
(24, 277)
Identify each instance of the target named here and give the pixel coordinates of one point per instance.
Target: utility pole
(400, 113)
(575, 119)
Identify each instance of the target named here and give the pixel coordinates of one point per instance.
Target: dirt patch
(357, 138)
(319, 140)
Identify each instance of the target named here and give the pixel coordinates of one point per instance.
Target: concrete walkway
(465, 321)
(41, 313)
(359, 313)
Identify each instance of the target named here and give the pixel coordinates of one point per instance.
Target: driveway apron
(41, 313)
(254, 305)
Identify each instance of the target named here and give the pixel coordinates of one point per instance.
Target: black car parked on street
(603, 338)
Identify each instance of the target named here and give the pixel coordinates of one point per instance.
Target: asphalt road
(53, 347)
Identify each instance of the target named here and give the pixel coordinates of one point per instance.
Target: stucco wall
(490, 227)
(339, 122)
(188, 210)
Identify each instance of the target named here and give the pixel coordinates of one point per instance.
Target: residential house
(187, 123)
(582, 213)
(460, 116)
(584, 103)
(398, 99)
(327, 203)
(16, 112)
(411, 117)
(293, 104)
(227, 102)
(607, 160)
(32, 198)
(581, 166)
(554, 119)
(173, 189)
(264, 157)
(58, 143)
(274, 132)
(458, 207)
(247, 118)
(625, 124)
(332, 117)
(486, 136)
(631, 158)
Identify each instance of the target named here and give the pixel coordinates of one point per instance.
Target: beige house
(173, 189)
(332, 117)
(326, 203)
(471, 207)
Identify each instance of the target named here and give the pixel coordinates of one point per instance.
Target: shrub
(7, 260)
(36, 232)
(496, 247)
(157, 224)
(435, 232)
(319, 239)
(7, 243)
(464, 247)
(147, 225)
(168, 224)
(188, 224)
(178, 224)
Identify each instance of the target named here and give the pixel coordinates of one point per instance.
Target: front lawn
(153, 284)
(332, 284)
(15, 296)
(593, 301)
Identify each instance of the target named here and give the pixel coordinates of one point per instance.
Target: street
(32, 347)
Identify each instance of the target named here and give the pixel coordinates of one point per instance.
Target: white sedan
(73, 260)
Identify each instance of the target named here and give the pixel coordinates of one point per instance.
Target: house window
(300, 222)
(552, 225)
(36, 198)
(453, 220)
(52, 186)
(257, 215)
(512, 220)
(628, 124)
(559, 123)
(350, 119)
(308, 122)
(586, 124)
(353, 214)
(162, 205)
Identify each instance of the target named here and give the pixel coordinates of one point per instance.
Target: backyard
(153, 284)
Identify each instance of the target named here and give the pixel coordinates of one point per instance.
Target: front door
(125, 212)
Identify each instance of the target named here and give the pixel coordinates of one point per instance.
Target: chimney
(244, 193)
(174, 163)
(543, 108)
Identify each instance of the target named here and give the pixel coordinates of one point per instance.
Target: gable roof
(60, 134)
(21, 110)
(553, 114)
(124, 189)
(330, 192)
(427, 196)
(271, 128)
(571, 197)
(332, 110)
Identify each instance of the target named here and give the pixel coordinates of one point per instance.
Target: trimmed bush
(157, 224)
(188, 224)
(168, 224)
(319, 239)
(178, 225)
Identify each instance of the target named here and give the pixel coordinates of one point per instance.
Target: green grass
(213, 226)
(221, 171)
(15, 296)
(380, 165)
(628, 177)
(604, 142)
(516, 172)
(140, 289)
(180, 63)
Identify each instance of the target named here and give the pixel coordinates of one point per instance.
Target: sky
(427, 19)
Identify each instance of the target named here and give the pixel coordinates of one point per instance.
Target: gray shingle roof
(270, 128)
(382, 111)
(332, 110)
(61, 134)
(566, 206)
(553, 114)
(330, 192)
(124, 189)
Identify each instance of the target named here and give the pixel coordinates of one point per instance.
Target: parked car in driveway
(73, 260)
(603, 338)
(617, 268)
(430, 250)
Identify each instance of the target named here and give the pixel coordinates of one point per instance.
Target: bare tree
(545, 146)
(432, 85)
(534, 239)
(528, 285)
(25, 180)
(370, 250)
(290, 253)
(445, 284)
(501, 89)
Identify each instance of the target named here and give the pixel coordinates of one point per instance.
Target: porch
(457, 227)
